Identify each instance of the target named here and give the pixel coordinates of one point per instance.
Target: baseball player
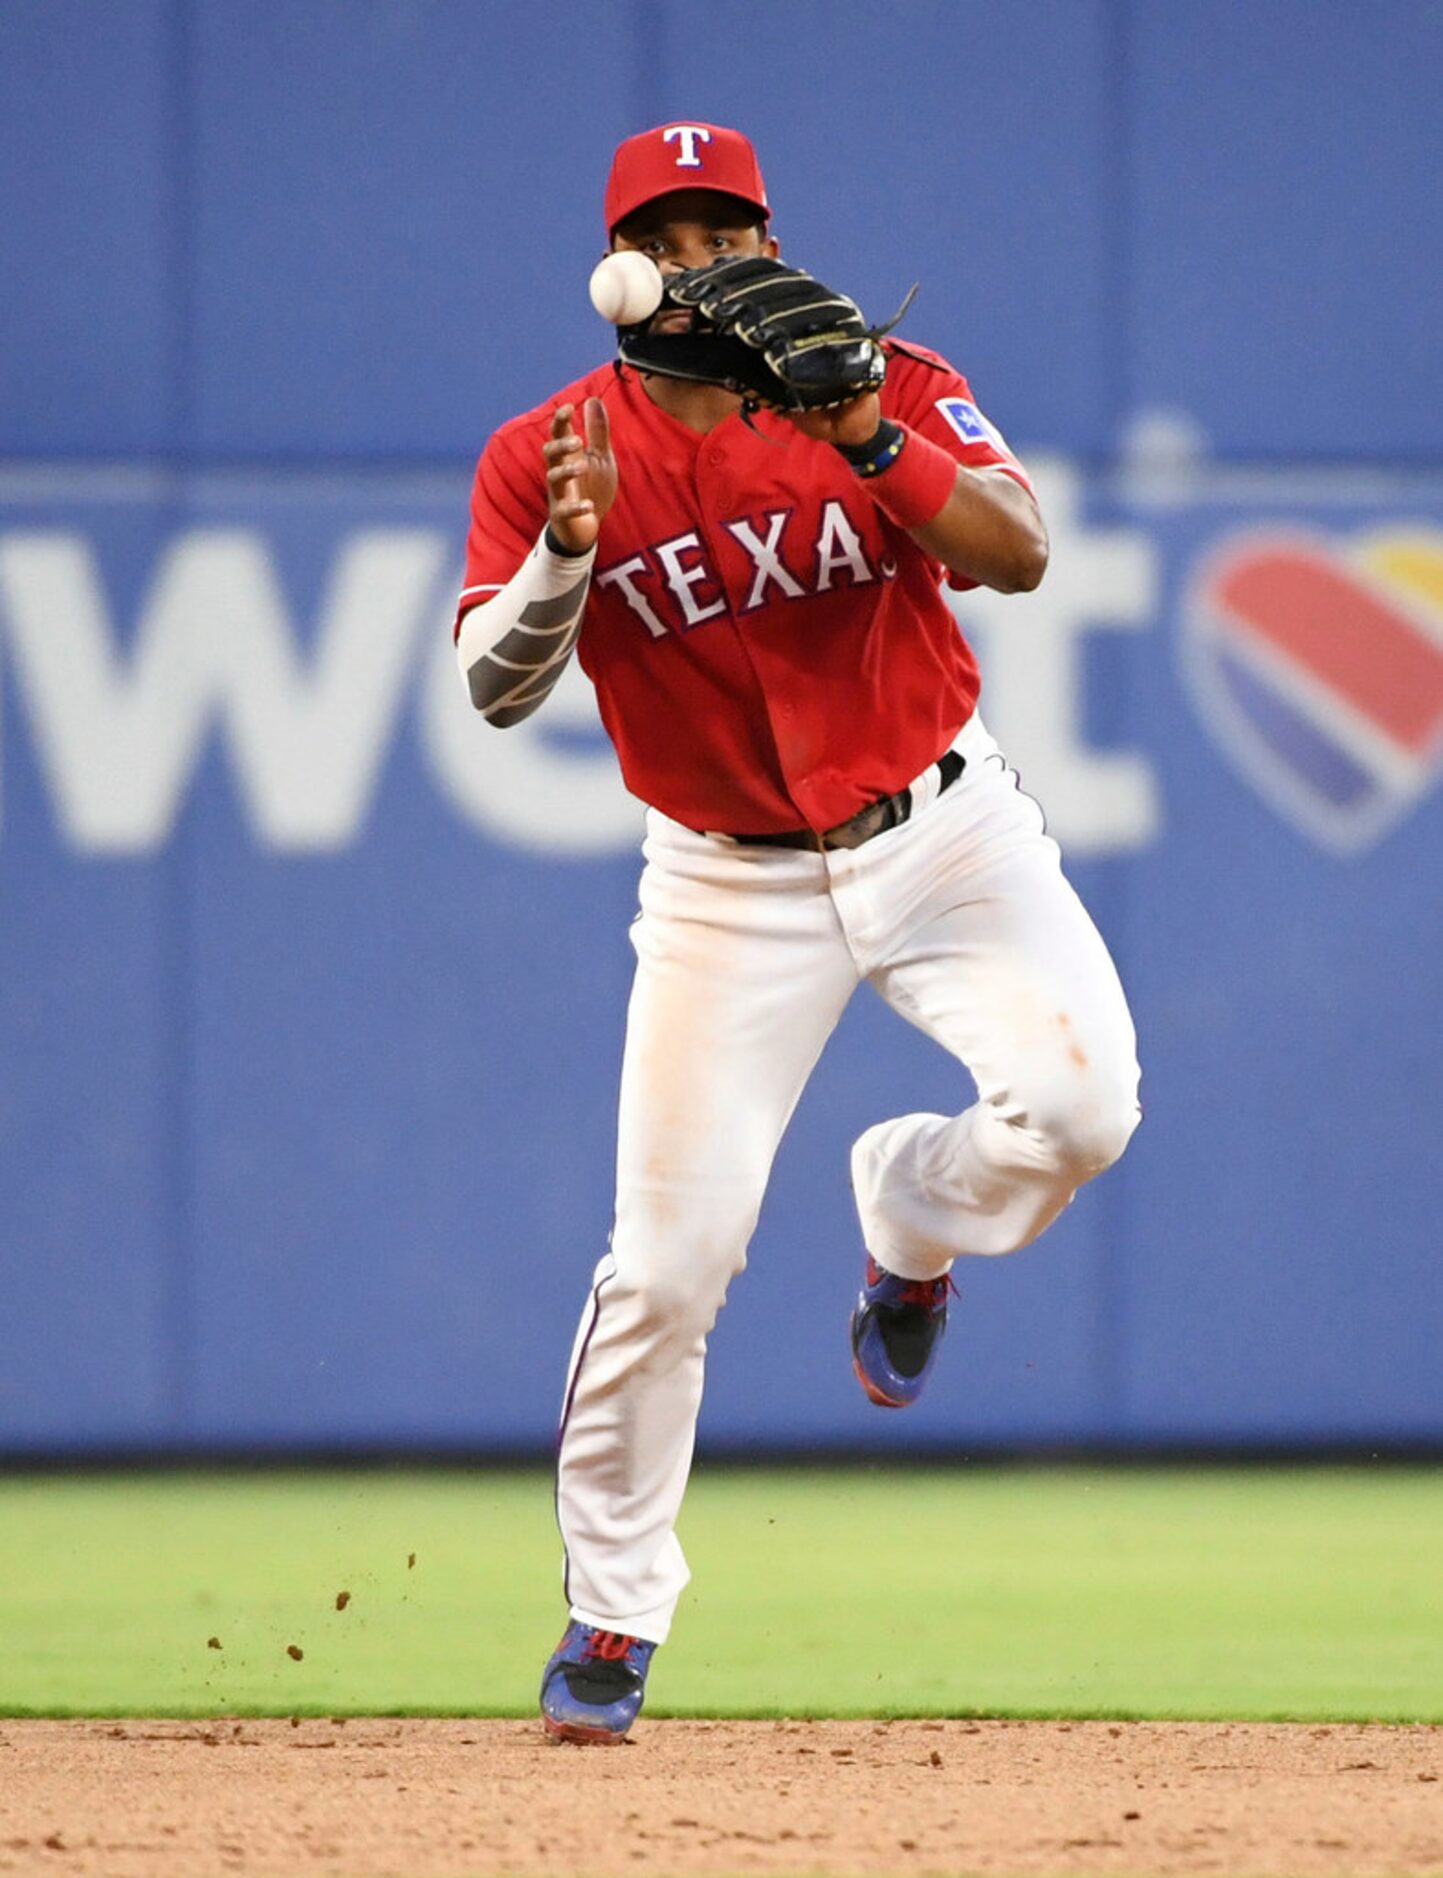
(747, 559)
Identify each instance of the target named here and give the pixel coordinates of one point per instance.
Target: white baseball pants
(746, 957)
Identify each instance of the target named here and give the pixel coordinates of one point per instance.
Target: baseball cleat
(897, 1326)
(592, 1689)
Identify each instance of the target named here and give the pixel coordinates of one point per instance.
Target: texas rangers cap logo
(1318, 665)
(683, 155)
(688, 136)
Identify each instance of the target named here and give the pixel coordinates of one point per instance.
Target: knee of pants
(676, 1284)
(1084, 1126)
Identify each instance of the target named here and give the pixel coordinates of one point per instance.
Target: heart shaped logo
(1319, 669)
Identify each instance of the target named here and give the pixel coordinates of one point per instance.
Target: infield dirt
(416, 1799)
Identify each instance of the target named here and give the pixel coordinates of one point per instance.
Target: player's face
(692, 228)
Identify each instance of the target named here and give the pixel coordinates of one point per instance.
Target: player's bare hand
(580, 475)
(844, 423)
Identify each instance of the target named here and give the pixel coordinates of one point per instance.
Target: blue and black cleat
(897, 1326)
(592, 1689)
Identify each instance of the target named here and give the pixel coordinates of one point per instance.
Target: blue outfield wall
(312, 988)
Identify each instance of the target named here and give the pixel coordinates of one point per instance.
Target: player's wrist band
(563, 553)
(879, 452)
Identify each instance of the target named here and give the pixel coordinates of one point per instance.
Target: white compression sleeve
(514, 647)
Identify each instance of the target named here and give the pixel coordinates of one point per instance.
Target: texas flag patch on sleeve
(969, 423)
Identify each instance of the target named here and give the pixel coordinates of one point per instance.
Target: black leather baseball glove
(770, 332)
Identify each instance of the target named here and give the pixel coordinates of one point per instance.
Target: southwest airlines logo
(1319, 666)
(305, 631)
(120, 711)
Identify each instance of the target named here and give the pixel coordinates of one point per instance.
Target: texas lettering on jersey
(697, 592)
(769, 651)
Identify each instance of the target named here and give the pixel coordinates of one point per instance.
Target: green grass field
(1254, 1594)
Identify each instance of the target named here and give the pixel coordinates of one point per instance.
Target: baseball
(625, 288)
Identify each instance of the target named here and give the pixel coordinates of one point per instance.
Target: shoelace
(926, 1293)
(609, 1646)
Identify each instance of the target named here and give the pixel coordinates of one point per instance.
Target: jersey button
(716, 457)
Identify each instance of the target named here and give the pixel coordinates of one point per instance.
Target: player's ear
(772, 248)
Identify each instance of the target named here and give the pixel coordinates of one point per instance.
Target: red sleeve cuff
(915, 489)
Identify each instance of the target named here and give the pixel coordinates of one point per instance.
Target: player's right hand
(580, 475)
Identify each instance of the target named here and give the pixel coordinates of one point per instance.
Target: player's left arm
(901, 415)
(989, 529)
(980, 520)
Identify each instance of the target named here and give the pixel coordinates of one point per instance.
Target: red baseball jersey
(769, 651)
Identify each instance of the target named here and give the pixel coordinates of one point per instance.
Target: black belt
(875, 819)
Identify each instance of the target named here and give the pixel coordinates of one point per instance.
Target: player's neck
(699, 407)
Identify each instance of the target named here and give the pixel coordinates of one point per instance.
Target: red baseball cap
(682, 156)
